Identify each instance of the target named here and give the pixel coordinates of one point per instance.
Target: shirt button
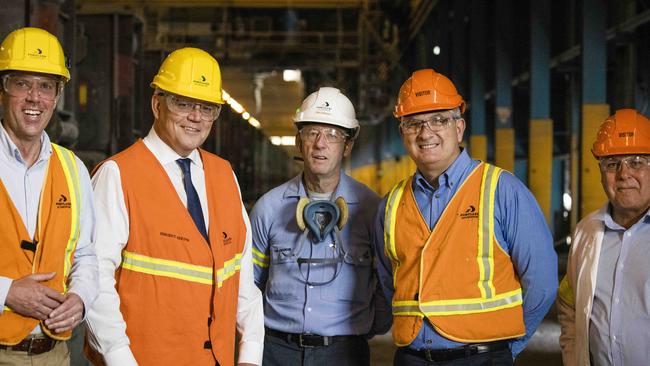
(614, 337)
(428, 341)
(616, 300)
(437, 196)
(311, 286)
(308, 309)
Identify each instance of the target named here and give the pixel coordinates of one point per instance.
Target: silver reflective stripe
(159, 268)
(487, 237)
(486, 305)
(229, 269)
(399, 309)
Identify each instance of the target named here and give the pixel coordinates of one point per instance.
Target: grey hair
(455, 113)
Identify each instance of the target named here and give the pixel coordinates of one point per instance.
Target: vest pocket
(354, 281)
(282, 284)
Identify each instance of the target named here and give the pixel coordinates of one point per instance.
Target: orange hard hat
(626, 132)
(427, 90)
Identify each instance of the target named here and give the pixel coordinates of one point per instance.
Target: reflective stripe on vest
(485, 258)
(179, 270)
(71, 171)
(260, 259)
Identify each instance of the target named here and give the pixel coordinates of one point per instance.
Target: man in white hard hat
(312, 251)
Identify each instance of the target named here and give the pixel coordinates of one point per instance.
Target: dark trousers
(350, 352)
(495, 358)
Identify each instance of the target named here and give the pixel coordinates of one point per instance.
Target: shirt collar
(296, 188)
(604, 215)
(450, 176)
(11, 151)
(165, 154)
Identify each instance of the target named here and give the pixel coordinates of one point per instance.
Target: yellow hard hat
(35, 50)
(192, 73)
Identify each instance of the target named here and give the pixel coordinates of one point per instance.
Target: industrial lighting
(436, 50)
(291, 75)
(246, 115)
(254, 122)
(283, 140)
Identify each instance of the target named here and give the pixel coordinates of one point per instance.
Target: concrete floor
(542, 350)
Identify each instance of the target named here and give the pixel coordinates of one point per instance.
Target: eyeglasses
(331, 134)
(19, 86)
(636, 162)
(434, 124)
(185, 106)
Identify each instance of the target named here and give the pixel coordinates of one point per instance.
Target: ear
(155, 106)
(348, 148)
(298, 143)
(460, 129)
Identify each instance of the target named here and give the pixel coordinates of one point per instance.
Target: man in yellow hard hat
(464, 251)
(48, 268)
(174, 240)
(603, 301)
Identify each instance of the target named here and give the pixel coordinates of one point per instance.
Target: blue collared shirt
(620, 315)
(24, 186)
(520, 229)
(353, 303)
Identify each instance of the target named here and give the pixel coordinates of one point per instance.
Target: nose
(32, 94)
(623, 170)
(195, 114)
(320, 141)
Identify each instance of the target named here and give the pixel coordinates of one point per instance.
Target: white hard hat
(328, 105)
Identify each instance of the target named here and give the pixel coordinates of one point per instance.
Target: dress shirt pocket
(282, 283)
(354, 281)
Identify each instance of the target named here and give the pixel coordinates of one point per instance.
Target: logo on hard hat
(202, 81)
(324, 108)
(37, 53)
(626, 134)
(422, 93)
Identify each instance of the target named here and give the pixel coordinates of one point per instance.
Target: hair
(455, 113)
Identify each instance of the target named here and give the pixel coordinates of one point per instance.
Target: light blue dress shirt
(520, 229)
(619, 328)
(353, 303)
(24, 187)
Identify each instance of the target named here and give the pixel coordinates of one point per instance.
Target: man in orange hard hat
(603, 301)
(48, 268)
(176, 272)
(464, 251)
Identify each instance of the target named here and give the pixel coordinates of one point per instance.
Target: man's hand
(67, 315)
(28, 297)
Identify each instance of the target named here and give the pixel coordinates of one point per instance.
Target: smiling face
(25, 117)
(628, 191)
(433, 149)
(321, 157)
(183, 133)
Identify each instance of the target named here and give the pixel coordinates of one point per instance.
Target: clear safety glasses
(331, 134)
(19, 86)
(635, 162)
(184, 106)
(434, 124)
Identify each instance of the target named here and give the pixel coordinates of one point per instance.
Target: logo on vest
(226, 239)
(63, 202)
(470, 213)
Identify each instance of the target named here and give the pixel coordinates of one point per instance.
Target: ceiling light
(291, 75)
(246, 115)
(436, 50)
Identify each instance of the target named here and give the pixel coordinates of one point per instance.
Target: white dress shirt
(106, 324)
(24, 185)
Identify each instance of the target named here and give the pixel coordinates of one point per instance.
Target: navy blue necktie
(193, 203)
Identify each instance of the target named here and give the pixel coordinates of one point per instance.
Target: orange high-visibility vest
(178, 292)
(57, 233)
(457, 275)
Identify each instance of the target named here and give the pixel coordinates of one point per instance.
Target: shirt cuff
(120, 357)
(250, 352)
(5, 284)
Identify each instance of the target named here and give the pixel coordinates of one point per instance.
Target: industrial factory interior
(535, 81)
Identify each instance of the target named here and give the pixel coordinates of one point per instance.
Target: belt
(33, 345)
(439, 355)
(307, 340)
